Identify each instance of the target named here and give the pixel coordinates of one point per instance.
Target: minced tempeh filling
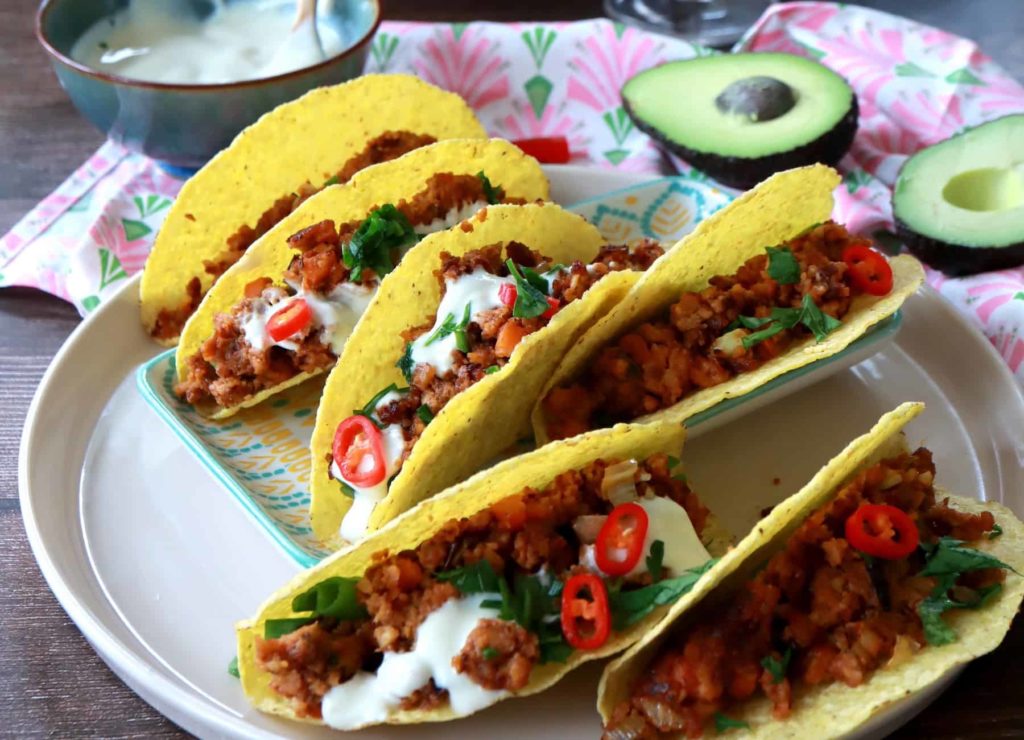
(383, 148)
(493, 337)
(227, 369)
(520, 534)
(660, 362)
(840, 614)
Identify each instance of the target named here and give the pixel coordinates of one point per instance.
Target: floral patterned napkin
(916, 85)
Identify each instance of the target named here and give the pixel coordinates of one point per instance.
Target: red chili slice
(546, 149)
(869, 270)
(290, 320)
(620, 543)
(507, 294)
(553, 305)
(356, 439)
(586, 622)
(882, 531)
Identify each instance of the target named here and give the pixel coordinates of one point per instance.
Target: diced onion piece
(587, 527)
(891, 480)
(662, 716)
(618, 485)
(904, 649)
(730, 344)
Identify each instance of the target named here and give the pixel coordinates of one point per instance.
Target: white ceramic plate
(155, 563)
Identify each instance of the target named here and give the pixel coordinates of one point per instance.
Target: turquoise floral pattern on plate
(261, 455)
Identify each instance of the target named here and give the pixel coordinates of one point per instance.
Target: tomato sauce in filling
(389, 145)
(227, 369)
(494, 335)
(819, 612)
(517, 536)
(660, 362)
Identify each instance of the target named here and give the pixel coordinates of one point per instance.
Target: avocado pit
(758, 98)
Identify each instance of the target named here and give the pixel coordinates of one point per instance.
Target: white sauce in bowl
(158, 41)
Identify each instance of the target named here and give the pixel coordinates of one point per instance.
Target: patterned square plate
(261, 455)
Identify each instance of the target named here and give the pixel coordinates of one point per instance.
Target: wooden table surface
(51, 682)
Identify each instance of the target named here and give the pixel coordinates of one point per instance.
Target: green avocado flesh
(967, 190)
(681, 103)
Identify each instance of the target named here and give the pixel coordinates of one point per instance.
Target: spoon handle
(304, 9)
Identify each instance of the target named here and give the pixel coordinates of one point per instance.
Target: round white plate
(155, 563)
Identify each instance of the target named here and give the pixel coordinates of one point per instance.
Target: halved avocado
(959, 204)
(742, 117)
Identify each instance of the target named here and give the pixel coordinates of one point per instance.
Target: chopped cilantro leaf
(332, 597)
(472, 579)
(536, 280)
(783, 267)
(673, 463)
(425, 414)
(947, 560)
(819, 322)
(492, 370)
(723, 723)
(997, 531)
(447, 327)
(274, 628)
(530, 302)
(629, 607)
(654, 560)
(332, 181)
(233, 668)
(490, 653)
(347, 489)
(493, 194)
(778, 667)
(406, 364)
(385, 229)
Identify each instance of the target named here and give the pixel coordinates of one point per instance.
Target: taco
(868, 586)
(440, 376)
(282, 313)
(723, 313)
(323, 138)
(484, 591)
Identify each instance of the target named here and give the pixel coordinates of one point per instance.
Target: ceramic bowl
(183, 125)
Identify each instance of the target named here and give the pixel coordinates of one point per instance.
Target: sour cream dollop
(369, 698)
(155, 41)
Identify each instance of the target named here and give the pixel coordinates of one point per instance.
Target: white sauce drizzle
(454, 217)
(479, 290)
(335, 313)
(154, 40)
(357, 518)
(668, 522)
(369, 698)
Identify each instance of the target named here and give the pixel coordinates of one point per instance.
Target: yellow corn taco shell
(504, 163)
(535, 469)
(307, 140)
(778, 209)
(836, 709)
(482, 421)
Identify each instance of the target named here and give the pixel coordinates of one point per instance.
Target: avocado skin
(957, 259)
(746, 172)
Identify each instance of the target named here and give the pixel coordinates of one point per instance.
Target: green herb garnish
(492, 370)
(723, 723)
(536, 280)
(490, 653)
(783, 267)
(819, 322)
(370, 407)
(654, 560)
(447, 327)
(425, 414)
(332, 181)
(947, 560)
(332, 597)
(629, 607)
(274, 628)
(494, 195)
(778, 667)
(347, 489)
(673, 463)
(406, 364)
(477, 578)
(386, 228)
(530, 302)
(233, 668)
(997, 531)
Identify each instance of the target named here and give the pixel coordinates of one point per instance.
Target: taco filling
(462, 619)
(860, 586)
(798, 289)
(277, 332)
(490, 302)
(383, 148)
